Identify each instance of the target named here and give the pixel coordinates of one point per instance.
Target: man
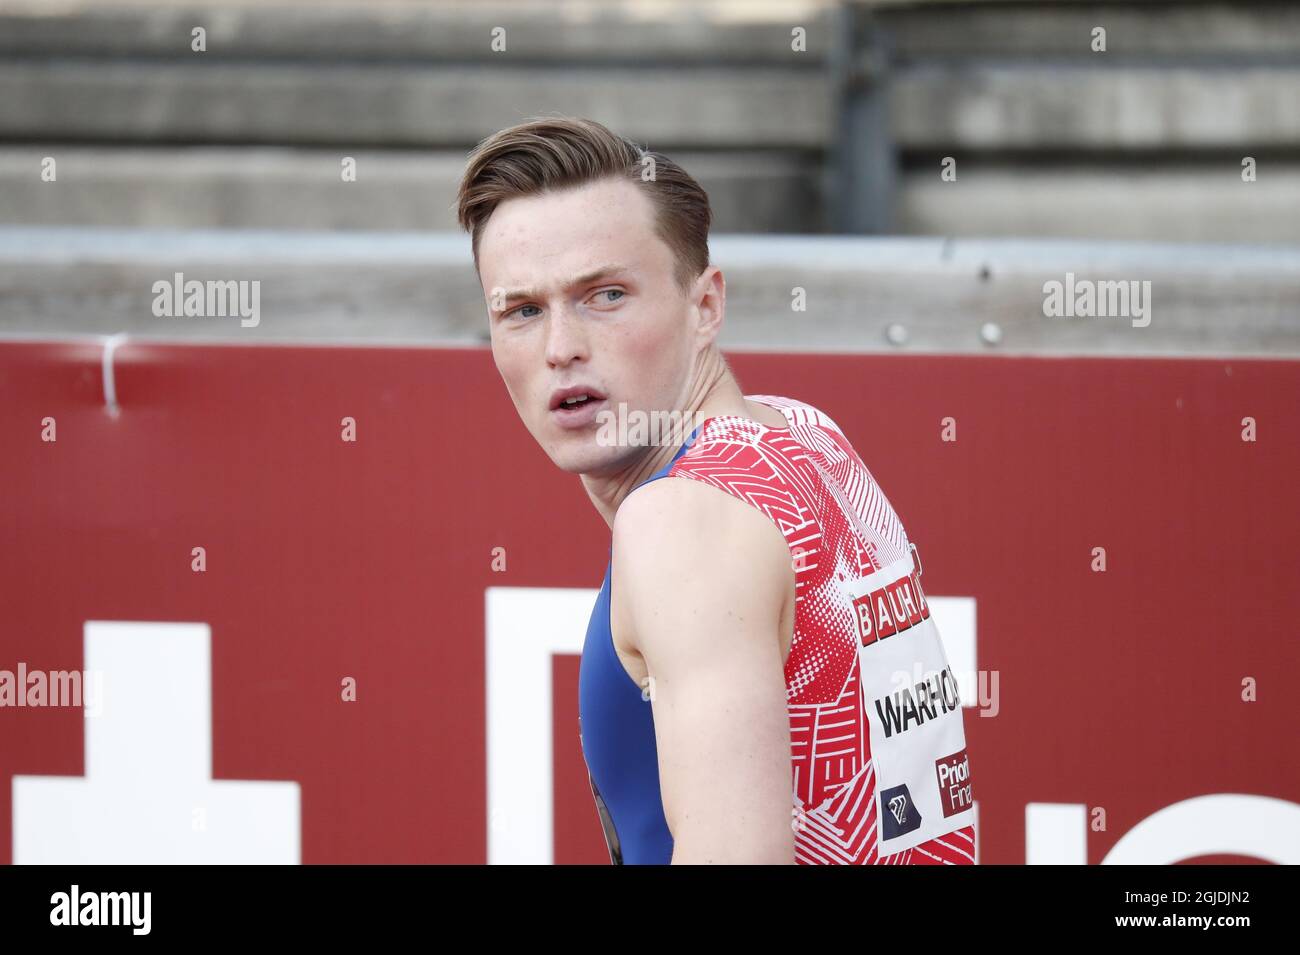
(761, 680)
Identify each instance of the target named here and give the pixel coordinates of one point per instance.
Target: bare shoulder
(681, 547)
(678, 518)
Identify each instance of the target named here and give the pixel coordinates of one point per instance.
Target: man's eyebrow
(604, 272)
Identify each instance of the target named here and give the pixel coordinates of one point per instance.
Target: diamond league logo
(903, 816)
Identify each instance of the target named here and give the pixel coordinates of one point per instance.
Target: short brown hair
(545, 154)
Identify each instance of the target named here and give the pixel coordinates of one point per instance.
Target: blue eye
(614, 291)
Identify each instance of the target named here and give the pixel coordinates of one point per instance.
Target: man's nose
(566, 337)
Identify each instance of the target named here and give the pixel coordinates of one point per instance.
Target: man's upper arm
(702, 578)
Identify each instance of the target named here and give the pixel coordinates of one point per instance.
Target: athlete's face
(581, 295)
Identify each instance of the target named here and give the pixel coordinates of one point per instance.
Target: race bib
(909, 693)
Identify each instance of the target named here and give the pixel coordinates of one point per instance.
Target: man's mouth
(575, 396)
(576, 407)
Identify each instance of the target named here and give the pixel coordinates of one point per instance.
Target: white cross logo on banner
(148, 795)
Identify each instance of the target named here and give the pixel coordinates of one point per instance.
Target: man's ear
(710, 302)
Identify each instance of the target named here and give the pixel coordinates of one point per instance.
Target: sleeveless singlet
(879, 771)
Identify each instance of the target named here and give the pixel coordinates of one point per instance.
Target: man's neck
(715, 393)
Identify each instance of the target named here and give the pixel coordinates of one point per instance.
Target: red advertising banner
(325, 604)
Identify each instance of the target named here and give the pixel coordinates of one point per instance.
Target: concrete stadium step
(283, 188)
(1201, 200)
(861, 294)
(930, 107)
(87, 100)
(1247, 30)
(593, 31)
(1055, 106)
(284, 103)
